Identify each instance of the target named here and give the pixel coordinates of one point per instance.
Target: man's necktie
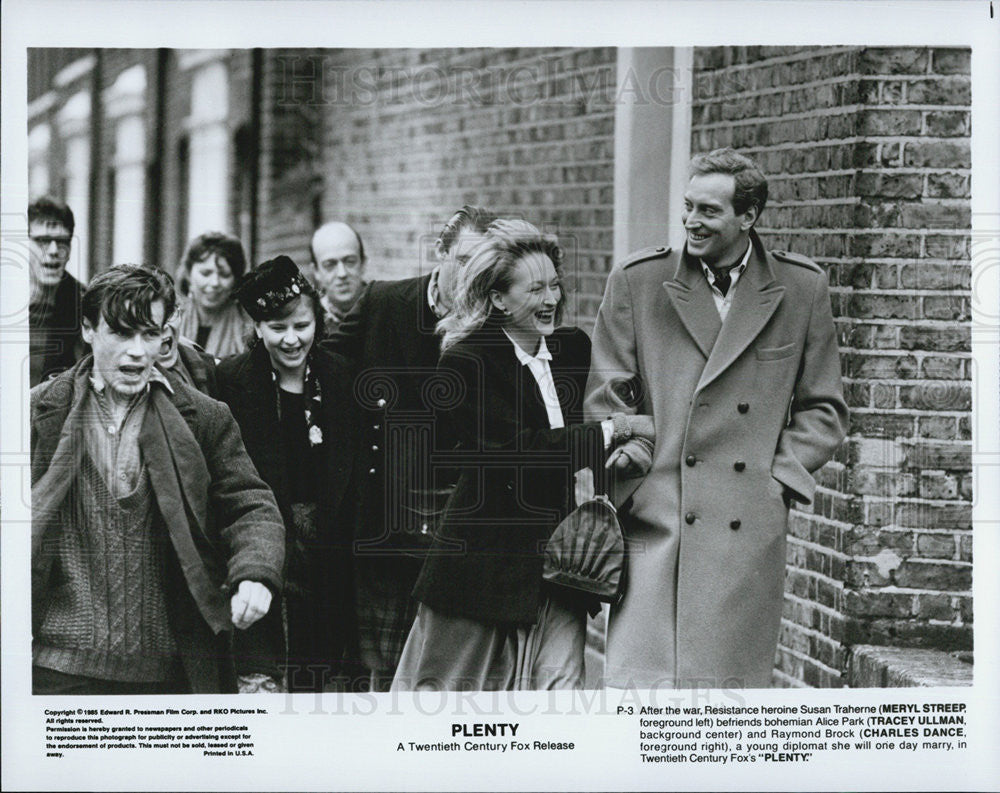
(722, 282)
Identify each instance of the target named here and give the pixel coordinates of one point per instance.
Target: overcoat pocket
(775, 353)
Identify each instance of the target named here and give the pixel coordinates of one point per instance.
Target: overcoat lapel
(519, 378)
(534, 405)
(55, 465)
(565, 381)
(55, 462)
(523, 381)
(756, 299)
(692, 299)
(257, 406)
(180, 478)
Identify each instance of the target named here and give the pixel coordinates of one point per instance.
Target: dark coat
(55, 332)
(744, 413)
(389, 338)
(516, 482)
(222, 520)
(200, 365)
(246, 385)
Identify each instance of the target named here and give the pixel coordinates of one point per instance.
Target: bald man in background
(337, 269)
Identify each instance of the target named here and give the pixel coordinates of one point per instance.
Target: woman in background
(486, 621)
(293, 404)
(212, 265)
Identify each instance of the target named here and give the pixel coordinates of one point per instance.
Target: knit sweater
(108, 617)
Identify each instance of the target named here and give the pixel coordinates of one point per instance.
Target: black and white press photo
(508, 399)
(800, 513)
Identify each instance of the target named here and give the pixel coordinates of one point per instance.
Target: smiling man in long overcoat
(732, 349)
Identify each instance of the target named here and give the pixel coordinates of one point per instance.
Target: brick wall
(408, 136)
(867, 153)
(292, 168)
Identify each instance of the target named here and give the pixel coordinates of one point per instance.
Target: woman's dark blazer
(516, 480)
(245, 384)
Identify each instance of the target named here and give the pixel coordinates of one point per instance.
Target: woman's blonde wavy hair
(491, 268)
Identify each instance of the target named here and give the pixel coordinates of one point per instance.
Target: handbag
(586, 552)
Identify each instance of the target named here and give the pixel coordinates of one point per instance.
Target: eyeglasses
(44, 241)
(349, 262)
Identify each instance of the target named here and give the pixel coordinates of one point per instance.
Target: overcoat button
(690, 518)
(691, 460)
(739, 465)
(374, 448)
(381, 403)
(734, 525)
(661, 249)
(424, 529)
(743, 407)
(371, 470)
(376, 426)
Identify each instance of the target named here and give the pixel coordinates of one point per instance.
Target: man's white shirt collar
(723, 302)
(432, 293)
(155, 376)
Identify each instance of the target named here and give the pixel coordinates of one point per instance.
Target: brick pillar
(909, 569)
(867, 154)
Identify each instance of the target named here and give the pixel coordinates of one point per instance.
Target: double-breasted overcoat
(745, 411)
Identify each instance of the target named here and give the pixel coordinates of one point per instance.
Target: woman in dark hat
(294, 407)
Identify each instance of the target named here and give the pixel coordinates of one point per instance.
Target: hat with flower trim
(269, 286)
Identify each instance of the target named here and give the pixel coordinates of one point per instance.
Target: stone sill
(872, 666)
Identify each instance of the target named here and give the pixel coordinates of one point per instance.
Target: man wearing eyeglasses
(54, 298)
(337, 269)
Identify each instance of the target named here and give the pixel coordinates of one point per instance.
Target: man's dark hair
(361, 243)
(222, 245)
(124, 296)
(51, 210)
(477, 219)
(751, 184)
